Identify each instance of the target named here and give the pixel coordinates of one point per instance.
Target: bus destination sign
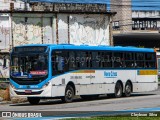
(30, 49)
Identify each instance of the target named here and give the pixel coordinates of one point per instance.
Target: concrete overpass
(149, 40)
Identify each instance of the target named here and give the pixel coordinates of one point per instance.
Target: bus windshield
(28, 66)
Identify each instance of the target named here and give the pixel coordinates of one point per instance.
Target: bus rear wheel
(118, 90)
(69, 94)
(33, 100)
(128, 89)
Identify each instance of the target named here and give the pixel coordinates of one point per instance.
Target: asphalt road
(56, 107)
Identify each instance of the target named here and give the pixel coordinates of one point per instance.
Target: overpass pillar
(123, 19)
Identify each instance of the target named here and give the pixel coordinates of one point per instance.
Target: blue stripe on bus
(86, 47)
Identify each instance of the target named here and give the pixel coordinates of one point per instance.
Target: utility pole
(11, 9)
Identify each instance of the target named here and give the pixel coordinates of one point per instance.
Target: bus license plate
(28, 91)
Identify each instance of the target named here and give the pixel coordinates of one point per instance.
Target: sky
(136, 4)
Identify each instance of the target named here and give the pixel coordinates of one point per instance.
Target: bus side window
(95, 60)
(139, 57)
(108, 62)
(57, 63)
(150, 60)
(71, 60)
(60, 63)
(106, 59)
(129, 60)
(118, 60)
(149, 56)
(150, 64)
(88, 59)
(140, 64)
(81, 59)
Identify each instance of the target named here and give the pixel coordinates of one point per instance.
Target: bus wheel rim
(69, 94)
(128, 89)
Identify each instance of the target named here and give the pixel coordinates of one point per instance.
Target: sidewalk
(13, 100)
(5, 102)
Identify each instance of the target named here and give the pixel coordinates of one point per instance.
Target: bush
(4, 85)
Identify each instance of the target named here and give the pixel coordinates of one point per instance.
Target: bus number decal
(76, 77)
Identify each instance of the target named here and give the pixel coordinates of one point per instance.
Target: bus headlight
(46, 84)
(12, 86)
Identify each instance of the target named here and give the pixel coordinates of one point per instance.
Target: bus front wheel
(69, 94)
(33, 100)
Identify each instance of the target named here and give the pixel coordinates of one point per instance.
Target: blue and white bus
(40, 71)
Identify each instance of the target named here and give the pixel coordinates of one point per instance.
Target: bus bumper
(44, 92)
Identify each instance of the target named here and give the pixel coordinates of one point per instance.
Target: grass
(116, 118)
(2, 93)
(121, 117)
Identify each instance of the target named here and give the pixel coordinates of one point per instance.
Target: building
(5, 32)
(62, 23)
(122, 21)
(138, 25)
(148, 20)
(135, 16)
(146, 17)
(133, 26)
(53, 23)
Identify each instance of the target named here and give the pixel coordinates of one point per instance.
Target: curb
(5, 102)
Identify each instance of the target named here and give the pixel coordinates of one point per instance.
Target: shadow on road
(42, 102)
(58, 101)
(136, 95)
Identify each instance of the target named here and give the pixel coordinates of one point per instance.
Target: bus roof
(87, 47)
